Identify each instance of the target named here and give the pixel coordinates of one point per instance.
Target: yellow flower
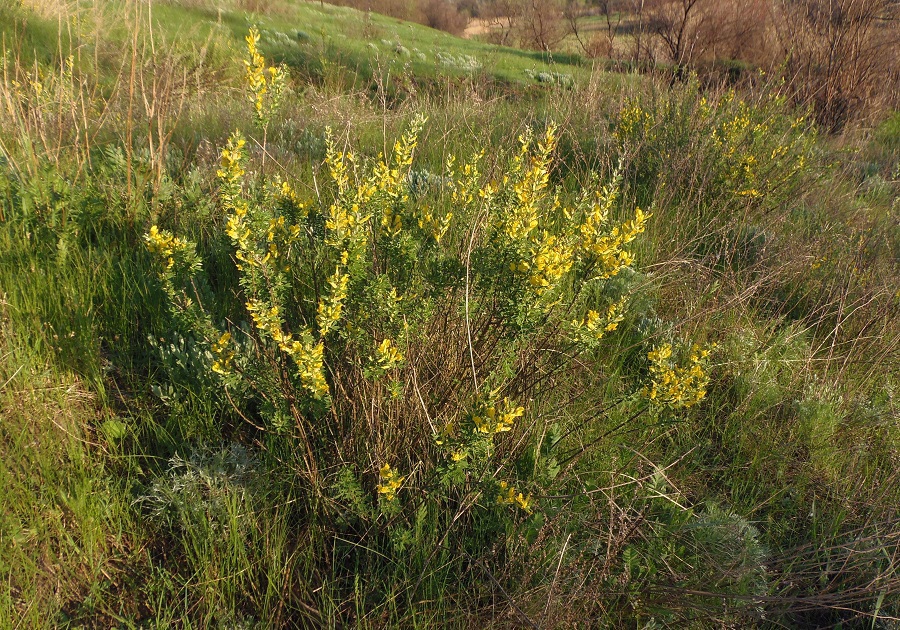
(492, 419)
(676, 386)
(389, 482)
(307, 354)
(604, 248)
(165, 245)
(594, 325)
(266, 85)
(224, 353)
(388, 355)
(509, 496)
(330, 307)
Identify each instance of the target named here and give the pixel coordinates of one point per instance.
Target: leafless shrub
(840, 55)
(536, 24)
(687, 31)
(501, 16)
(444, 16)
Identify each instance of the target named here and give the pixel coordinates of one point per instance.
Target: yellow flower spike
(676, 386)
(387, 355)
(265, 85)
(166, 245)
(224, 354)
(307, 355)
(508, 495)
(490, 420)
(330, 307)
(389, 483)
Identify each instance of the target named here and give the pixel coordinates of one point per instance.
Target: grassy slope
(306, 32)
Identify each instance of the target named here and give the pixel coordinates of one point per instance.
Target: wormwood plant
(394, 338)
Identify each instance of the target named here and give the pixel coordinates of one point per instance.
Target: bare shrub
(501, 17)
(444, 16)
(537, 24)
(735, 29)
(543, 26)
(841, 55)
(686, 31)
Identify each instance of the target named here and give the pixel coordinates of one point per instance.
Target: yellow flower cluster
(551, 259)
(330, 307)
(266, 85)
(223, 352)
(231, 173)
(530, 188)
(737, 139)
(676, 386)
(633, 121)
(231, 166)
(548, 257)
(491, 419)
(345, 220)
(436, 227)
(390, 180)
(464, 185)
(276, 233)
(267, 320)
(305, 352)
(387, 355)
(279, 235)
(594, 325)
(389, 482)
(391, 222)
(605, 248)
(509, 496)
(283, 191)
(239, 233)
(165, 245)
(308, 356)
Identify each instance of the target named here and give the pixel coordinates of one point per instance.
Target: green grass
(310, 36)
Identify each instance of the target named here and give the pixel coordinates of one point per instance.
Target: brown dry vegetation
(840, 58)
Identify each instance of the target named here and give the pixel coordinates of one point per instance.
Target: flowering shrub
(749, 153)
(265, 85)
(348, 298)
(402, 333)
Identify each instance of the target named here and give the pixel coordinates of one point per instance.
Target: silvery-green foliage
(203, 488)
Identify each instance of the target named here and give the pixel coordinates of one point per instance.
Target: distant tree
(502, 17)
(444, 15)
(676, 25)
(543, 24)
(840, 55)
(539, 24)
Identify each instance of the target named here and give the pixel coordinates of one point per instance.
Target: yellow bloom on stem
(676, 386)
(388, 355)
(389, 482)
(491, 419)
(509, 496)
(224, 353)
